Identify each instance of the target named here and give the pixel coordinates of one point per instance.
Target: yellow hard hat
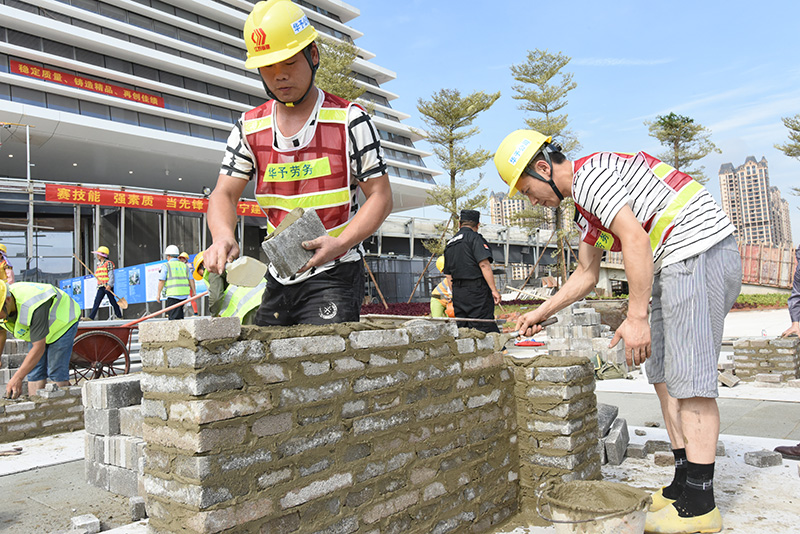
(515, 153)
(3, 249)
(103, 251)
(184, 255)
(440, 263)
(198, 261)
(275, 31)
(3, 293)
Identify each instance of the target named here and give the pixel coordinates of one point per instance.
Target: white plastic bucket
(594, 507)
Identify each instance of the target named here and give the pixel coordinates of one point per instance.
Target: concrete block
(657, 445)
(763, 458)
(130, 421)
(101, 422)
(636, 450)
(283, 247)
(138, 508)
(568, 374)
(664, 459)
(422, 330)
(720, 449)
(368, 339)
(123, 481)
(298, 347)
(96, 474)
(728, 379)
(616, 442)
(87, 522)
(769, 378)
(794, 383)
(606, 414)
(112, 392)
(197, 329)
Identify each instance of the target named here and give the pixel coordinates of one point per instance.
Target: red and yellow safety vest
(313, 176)
(659, 226)
(101, 272)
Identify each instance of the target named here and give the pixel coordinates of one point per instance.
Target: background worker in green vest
(228, 300)
(175, 279)
(442, 295)
(46, 317)
(677, 246)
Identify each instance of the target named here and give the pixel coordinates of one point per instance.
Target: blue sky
(733, 67)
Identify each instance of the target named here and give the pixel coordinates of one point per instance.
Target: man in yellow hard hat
(228, 300)
(175, 280)
(104, 273)
(6, 270)
(677, 247)
(46, 317)
(303, 148)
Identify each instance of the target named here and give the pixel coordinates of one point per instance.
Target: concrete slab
(43, 452)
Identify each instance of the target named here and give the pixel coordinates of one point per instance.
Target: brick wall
(52, 411)
(335, 429)
(779, 357)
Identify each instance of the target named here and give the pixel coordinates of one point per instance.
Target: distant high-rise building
(502, 208)
(757, 210)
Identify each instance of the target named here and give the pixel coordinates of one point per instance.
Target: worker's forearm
(486, 270)
(577, 286)
(638, 260)
(221, 215)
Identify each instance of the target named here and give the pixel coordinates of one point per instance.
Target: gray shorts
(690, 301)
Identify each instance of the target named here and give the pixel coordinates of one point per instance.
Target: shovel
(123, 304)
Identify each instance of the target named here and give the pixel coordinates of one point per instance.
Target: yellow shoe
(667, 521)
(659, 501)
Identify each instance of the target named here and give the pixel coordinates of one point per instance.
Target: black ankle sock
(698, 493)
(674, 490)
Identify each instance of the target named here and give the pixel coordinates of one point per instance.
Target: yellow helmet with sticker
(515, 154)
(274, 31)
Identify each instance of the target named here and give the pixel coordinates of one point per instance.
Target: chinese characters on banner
(50, 75)
(103, 197)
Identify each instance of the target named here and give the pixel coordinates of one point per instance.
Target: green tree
(542, 90)
(335, 74)
(686, 142)
(449, 118)
(792, 147)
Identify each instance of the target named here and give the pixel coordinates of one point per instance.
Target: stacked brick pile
(51, 411)
(579, 333)
(114, 449)
(557, 422)
(767, 359)
(331, 429)
(13, 355)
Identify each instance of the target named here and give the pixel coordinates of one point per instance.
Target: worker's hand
(221, 252)
(636, 335)
(793, 330)
(496, 297)
(14, 387)
(528, 324)
(326, 248)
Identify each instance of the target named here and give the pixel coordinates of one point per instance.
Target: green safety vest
(239, 301)
(177, 282)
(64, 311)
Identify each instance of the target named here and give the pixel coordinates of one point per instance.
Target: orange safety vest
(316, 175)
(101, 272)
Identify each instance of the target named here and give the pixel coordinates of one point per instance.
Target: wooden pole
(380, 293)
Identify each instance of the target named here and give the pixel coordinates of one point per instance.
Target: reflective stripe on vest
(313, 176)
(177, 282)
(101, 272)
(64, 311)
(240, 300)
(442, 291)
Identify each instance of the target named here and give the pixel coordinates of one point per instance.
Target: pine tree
(792, 147)
(686, 143)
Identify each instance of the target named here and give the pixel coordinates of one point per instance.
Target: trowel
(245, 272)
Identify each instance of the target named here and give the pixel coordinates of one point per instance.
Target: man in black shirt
(467, 263)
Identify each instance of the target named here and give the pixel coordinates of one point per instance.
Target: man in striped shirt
(677, 247)
(303, 148)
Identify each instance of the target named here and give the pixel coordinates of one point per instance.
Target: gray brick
(198, 384)
(569, 374)
(380, 423)
(197, 329)
(422, 330)
(616, 442)
(465, 345)
(272, 424)
(315, 368)
(636, 450)
(298, 347)
(101, 422)
(87, 522)
(606, 413)
(137, 508)
(154, 408)
(763, 458)
(130, 421)
(379, 382)
(316, 489)
(200, 357)
(413, 355)
(370, 339)
(188, 494)
(329, 390)
(112, 392)
(123, 481)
